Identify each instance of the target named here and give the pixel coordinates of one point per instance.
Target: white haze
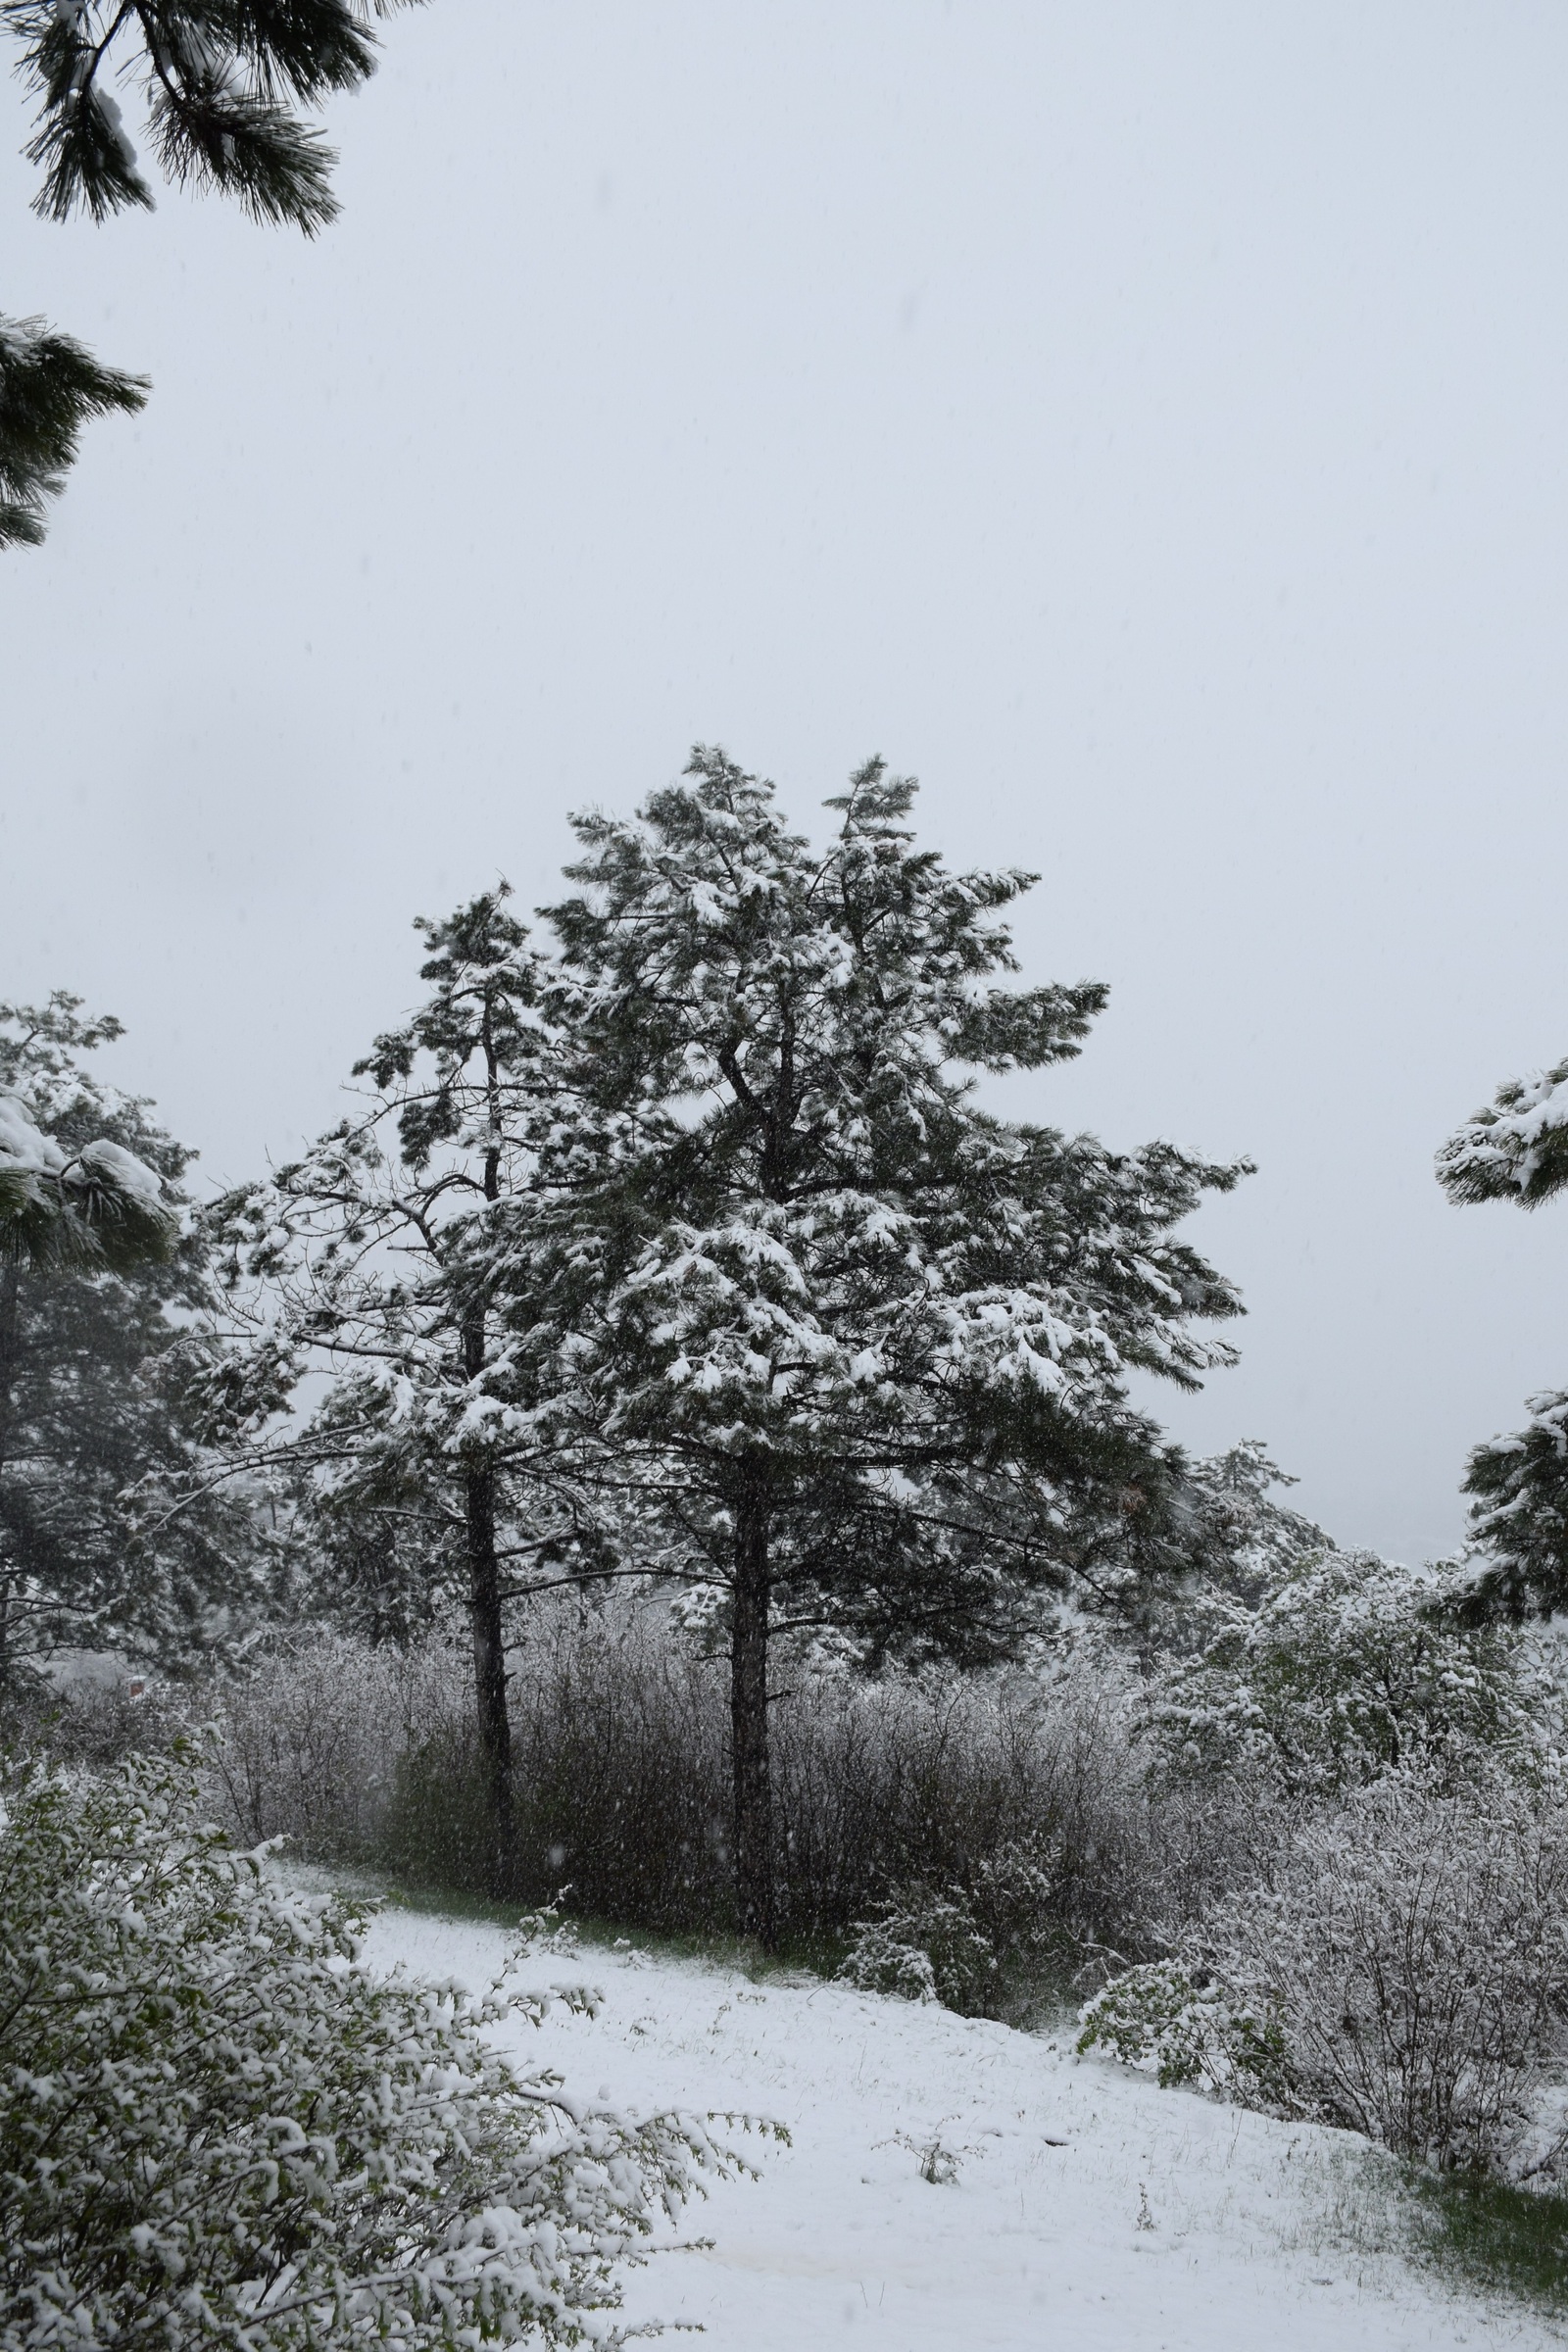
(1143, 423)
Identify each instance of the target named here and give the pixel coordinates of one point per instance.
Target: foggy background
(1143, 423)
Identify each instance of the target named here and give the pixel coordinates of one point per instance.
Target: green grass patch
(1492, 2235)
(819, 1954)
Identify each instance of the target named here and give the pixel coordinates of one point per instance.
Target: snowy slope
(1037, 2244)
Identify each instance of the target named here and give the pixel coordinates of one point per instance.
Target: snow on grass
(1090, 2210)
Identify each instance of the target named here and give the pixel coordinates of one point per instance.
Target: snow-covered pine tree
(1516, 1149)
(98, 1284)
(421, 1470)
(223, 91)
(864, 1343)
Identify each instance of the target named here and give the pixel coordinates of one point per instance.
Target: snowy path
(1036, 2244)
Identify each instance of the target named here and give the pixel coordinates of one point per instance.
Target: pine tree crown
(814, 1263)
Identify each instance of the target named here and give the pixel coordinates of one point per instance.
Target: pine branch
(223, 81)
(50, 388)
(1516, 1148)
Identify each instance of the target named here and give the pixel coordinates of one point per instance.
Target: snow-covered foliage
(1388, 1950)
(976, 1945)
(317, 1730)
(1343, 1666)
(95, 1204)
(421, 1480)
(218, 2127)
(925, 1946)
(111, 1532)
(1516, 1148)
(1238, 1538)
(1178, 2022)
(1516, 1563)
(1402, 1969)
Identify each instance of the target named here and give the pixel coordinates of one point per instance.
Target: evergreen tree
(422, 1474)
(860, 1344)
(1516, 1149)
(99, 1280)
(224, 88)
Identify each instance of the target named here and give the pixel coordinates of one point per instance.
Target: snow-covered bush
(218, 2127)
(1341, 1670)
(925, 1946)
(1406, 1960)
(979, 1948)
(1182, 2024)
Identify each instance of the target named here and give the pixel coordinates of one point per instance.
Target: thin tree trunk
(750, 1761)
(489, 1669)
(484, 1569)
(489, 1645)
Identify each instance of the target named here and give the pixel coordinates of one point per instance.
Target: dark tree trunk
(750, 1762)
(489, 1646)
(9, 1373)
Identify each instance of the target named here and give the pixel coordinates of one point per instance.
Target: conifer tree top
(814, 1278)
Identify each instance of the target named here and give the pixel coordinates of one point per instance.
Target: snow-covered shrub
(218, 2127)
(1415, 1941)
(1341, 1670)
(925, 1946)
(1410, 1945)
(979, 1948)
(1182, 2024)
(619, 1744)
(1026, 1797)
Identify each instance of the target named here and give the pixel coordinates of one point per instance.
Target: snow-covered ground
(1091, 2211)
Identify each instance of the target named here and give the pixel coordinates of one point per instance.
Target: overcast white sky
(1144, 423)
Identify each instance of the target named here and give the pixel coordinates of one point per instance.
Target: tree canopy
(686, 1250)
